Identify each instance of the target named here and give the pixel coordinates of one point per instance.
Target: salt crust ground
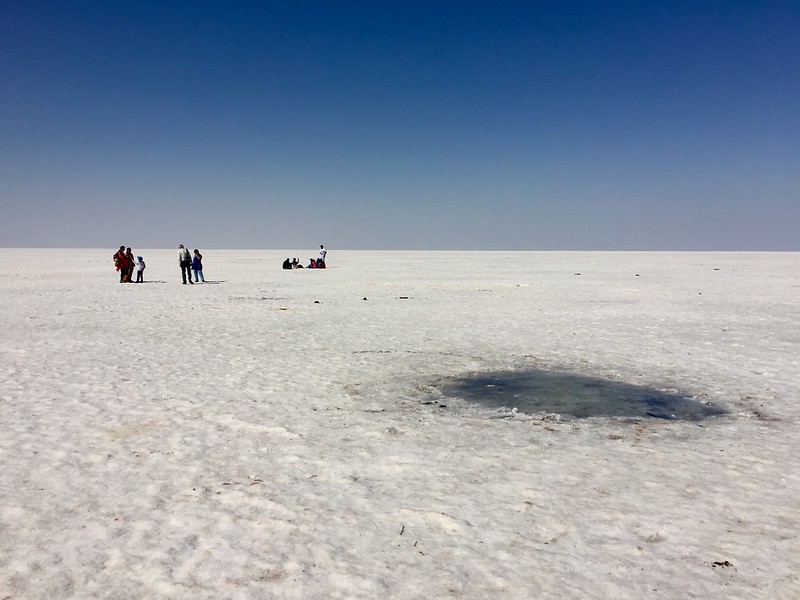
(272, 434)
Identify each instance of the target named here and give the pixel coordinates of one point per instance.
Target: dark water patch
(580, 396)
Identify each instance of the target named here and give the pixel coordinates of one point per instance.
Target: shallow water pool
(579, 396)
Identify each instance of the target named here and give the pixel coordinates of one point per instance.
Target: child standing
(140, 269)
(197, 265)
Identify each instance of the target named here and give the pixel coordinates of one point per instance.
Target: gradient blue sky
(401, 125)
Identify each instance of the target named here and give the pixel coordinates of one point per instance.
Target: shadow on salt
(579, 396)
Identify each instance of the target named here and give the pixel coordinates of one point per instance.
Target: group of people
(126, 264)
(193, 263)
(318, 263)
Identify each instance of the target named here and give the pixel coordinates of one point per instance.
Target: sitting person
(287, 264)
(311, 264)
(320, 264)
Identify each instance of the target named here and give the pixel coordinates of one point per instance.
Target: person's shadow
(198, 283)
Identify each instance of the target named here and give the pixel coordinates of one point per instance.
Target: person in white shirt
(185, 260)
(140, 269)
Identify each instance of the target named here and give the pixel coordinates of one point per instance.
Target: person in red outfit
(122, 264)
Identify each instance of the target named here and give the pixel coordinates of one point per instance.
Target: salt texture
(274, 435)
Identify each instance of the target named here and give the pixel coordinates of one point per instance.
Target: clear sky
(401, 125)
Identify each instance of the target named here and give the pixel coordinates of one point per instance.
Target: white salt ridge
(240, 440)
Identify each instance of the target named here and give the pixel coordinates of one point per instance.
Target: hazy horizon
(333, 251)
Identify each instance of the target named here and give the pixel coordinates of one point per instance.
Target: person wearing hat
(140, 269)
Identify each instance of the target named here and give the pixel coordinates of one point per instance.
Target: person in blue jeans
(197, 265)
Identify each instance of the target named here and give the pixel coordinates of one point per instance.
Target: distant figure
(121, 263)
(311, 263)
(131, 264)
(287, 264)
(197, 265)
(322, 254)
(185, 261)
(140, 266)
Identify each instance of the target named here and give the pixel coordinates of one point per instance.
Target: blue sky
(401, 125)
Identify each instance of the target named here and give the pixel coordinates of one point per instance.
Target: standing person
(322, 254)
(197, 265)
(140, 269)
(121, 262)
(131, 264)
(185, 261)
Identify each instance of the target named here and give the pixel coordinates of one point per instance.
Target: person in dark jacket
(197, 266)
(131, 264)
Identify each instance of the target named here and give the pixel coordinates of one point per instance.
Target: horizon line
(441, 250)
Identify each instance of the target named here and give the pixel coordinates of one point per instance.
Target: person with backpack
(185, 261)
